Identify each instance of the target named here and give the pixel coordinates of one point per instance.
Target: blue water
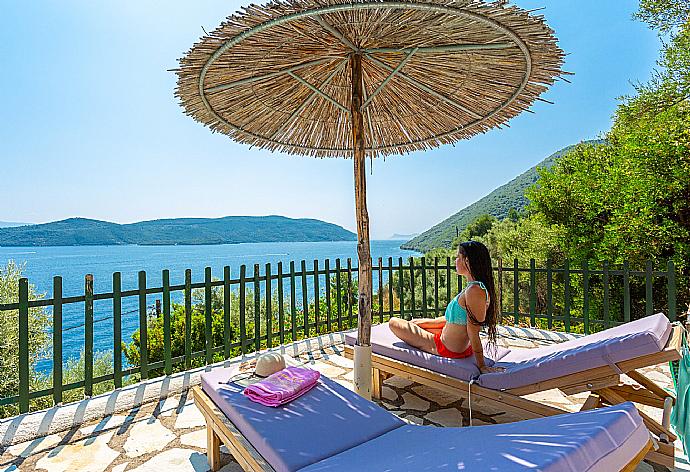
(73, 263)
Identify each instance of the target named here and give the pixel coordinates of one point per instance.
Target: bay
(72, 263)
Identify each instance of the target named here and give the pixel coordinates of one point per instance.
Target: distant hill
(183, 231)
(498, 203)
(11, 224)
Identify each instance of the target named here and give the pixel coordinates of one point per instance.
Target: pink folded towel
(283, 386)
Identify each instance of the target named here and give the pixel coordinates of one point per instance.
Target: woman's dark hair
(479, 262)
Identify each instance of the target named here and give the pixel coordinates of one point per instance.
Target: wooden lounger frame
(220, 429)
(604, 384)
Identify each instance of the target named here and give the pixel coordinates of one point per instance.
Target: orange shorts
(445, 352)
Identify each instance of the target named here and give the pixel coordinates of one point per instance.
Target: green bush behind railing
(226, 317)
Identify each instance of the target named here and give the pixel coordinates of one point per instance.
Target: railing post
(227, 301)
(412, 297)
(649, 302)
(390, 287)
(424, 315)
(269, 312)
(436, 309)
(349, 292)
(671, 290)
(167, 342)
(143, 327)
(23, 345)
(88, 335)
(626, 291)
(585, 294)
(117, 329)
(305, 298)
(566, 295)
(327, 268)
(516, 292)
(339, 297)
(401, 293)
(500, 289)
(243, 309)
(380, 294)
(549, 294)
(257, 309)
(188, 318)
(317, 289)
(281, 302)
(607, 317)
(532, 292)
(57, 340)
(449, 289)
(293, 303)
(208, 316)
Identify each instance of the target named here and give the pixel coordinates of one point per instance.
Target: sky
(89, 126)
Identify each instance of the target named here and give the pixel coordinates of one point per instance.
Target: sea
(72, 263)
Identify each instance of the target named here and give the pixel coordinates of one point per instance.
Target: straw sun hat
(266, 364)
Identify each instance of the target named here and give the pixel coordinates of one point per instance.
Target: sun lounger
(592, 363)
(333, 429)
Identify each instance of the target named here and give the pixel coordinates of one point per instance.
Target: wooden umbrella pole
(362, 377)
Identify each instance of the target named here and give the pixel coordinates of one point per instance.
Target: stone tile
(120, 467)
(189, 417)
(388, 406)
(168, 406)
(448, 417)
(437, 396)
(175, 460)
(328, 370)
(25, 449)
(349, 376)
(399, 382)
(413, 402)
(389, 394)
(86, 455)
(105, 424)
(195, 439)
(147, 437)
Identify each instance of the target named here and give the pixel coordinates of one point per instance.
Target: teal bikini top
(457, 314)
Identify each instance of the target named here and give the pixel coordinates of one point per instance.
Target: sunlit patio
(169, 433)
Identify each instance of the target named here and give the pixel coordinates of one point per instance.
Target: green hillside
(228, 230)
(498, 203)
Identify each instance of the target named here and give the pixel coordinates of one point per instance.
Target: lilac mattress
(527, 366)
(385, 343)
(323, 422)
(598, 440)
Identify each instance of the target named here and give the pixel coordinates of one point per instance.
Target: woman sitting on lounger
(456, 335)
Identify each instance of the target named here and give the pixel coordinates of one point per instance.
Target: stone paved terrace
(169, 435)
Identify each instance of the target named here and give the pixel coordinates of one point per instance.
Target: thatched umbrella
(330, 78)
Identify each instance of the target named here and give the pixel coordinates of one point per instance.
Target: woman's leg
(413, 335)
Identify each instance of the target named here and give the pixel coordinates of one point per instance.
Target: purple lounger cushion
(598, 440)
(628, 341)
(321, 423)
(385, 343)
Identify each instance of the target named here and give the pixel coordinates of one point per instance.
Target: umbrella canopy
(366, 78)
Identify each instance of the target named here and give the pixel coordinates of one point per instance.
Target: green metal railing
(310, 301)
